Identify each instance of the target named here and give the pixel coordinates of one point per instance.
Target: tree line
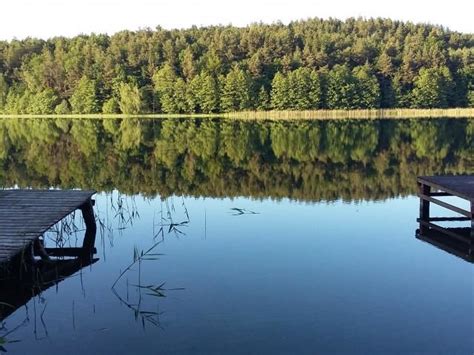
(310, 64)
(308, 161)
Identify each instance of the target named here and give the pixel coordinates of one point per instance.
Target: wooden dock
(18, 287)
(431, 188)
(25, 215)
(455, 246)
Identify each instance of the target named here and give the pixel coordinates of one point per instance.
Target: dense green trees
(342, 88)
(432, 88)
(368, 89)
(279, 96)
(130, 99)
(84, 98)
(43, 102)
(205, 94)
(236, 91)
(312, 64)
(165, 81)
(3, 92)
(300, 89)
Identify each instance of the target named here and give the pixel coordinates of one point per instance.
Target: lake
(221, 236)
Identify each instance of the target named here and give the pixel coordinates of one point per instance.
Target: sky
(49, 18)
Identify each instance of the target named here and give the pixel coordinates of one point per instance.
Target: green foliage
(236, 91)
(130, 99)
(43, 102)
(62, 108)
(3, 92)
(279, 95)
(84, 98)
(307, 64)
(204, 94)
(299, 84)
(111, 106)
(18, 100)
(307, 160)
(342, 88)
(164, 80)
(12, 104)
(368, 89)
(300, 89)
(263, 99)
(181, 97)
(401, 96)
(316, 89)
(468, 75)
(171, 90)
(431, 88)
(470, 98)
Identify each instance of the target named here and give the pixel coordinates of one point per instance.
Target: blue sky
(47, 18)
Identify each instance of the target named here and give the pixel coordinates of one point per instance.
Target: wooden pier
(459, 240)
(25, 215)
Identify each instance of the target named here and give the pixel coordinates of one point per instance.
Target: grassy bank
(293, 115)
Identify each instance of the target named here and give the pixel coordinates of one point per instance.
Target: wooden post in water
(91, 228)
(472, 221)
(425, 190)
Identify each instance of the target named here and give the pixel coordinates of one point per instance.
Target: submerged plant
(166, 225)
(240, 211)
(4, 337)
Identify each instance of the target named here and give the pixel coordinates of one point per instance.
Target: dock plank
(457, 185)
(27, 214)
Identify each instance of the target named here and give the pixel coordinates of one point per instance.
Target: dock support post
(91, 228)
(424, 207)
(472, 221)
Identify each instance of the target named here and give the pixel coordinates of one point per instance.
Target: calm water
(270, 237)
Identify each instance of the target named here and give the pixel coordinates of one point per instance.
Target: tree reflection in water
(308, 160)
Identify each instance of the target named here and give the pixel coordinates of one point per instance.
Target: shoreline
(283, 115)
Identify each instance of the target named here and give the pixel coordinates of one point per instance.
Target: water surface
(273, 237)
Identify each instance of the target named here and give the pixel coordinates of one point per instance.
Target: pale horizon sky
(50, 18)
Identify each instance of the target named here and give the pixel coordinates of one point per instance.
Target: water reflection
(24, 277)
(168, 224)
(19, 284)
(461, 246)
(236, 248)
(311, 161)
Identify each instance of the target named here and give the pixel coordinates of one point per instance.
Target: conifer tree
(62, 108)
(368, 89)
(84, 98)
(111, 106)
(263, 102)
(43, 102)
(430, 89)
(130, 99)
(342, 88)
(3, 92)
(235, 91)
(279, 93)
(164, 81)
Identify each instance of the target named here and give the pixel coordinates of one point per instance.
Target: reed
(402, 113)
(353, 114)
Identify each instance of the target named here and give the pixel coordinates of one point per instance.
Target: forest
(307, 64)
(306, 161)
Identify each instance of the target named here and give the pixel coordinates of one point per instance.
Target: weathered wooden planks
(459, 185)
(27, 214)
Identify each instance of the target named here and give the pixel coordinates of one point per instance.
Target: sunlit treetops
(311, 64)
